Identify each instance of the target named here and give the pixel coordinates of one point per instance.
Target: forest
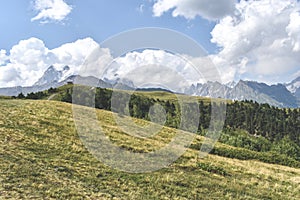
(248, 124)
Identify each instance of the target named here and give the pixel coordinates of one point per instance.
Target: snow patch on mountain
(231, 84)
(294, 85)
(53, 75)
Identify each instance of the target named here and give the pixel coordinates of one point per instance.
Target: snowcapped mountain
(52, 75)
(55, 78)
(276, 95)
(209, 89)
(294, 87)
(279, 95)
(231, 84)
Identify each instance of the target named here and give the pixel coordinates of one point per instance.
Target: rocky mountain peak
(294, 86)
(52, 75)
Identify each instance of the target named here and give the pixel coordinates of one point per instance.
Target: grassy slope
(149, 94)
(5, 97)
(41, 156)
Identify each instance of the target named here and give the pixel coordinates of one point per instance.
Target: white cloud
(29, 59)
(257, 39)
(262, 39)
(74, 53)
(160, 68)
(141, 8)
(31, 52)
(293, 30)
(142, 68)
(3, 57)
(208, 9)
(26, 61)
(96, 63)
(51, 10)
(9, 76)
(296, 75)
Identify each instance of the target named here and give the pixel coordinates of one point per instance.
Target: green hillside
(272, 131)
(42, 157)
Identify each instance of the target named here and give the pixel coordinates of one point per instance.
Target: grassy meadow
(42, 157)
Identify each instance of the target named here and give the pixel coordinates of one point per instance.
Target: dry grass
(42, 157)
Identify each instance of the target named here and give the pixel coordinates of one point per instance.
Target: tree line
(248, 124)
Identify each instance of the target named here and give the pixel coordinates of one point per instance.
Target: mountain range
(280, 95)
(275, 95)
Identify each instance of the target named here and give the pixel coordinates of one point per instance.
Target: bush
(245, 154)
(212, 168)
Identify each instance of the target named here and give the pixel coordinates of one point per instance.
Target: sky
(251, 40)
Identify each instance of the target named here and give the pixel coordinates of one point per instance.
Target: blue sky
(93, 18)
(253, 40)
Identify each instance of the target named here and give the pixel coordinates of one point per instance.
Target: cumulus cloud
(51, 10)
(28, 60)
(158, 68)
(134, 60)
(145, 68)
(256, 39)
(29, 52)
(261, 40)
(3, 57)
(208, 9)
(9, 76)
(96, 63)
(74, 53)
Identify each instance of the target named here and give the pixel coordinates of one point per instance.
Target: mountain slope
(51, 76)
(89, 81)
(276, 95)
(56, 78)
(42, 157)
(294, 88)
(294, 85)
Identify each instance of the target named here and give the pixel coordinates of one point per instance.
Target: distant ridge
(280, 95)
(275, 95)
(154, 90)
